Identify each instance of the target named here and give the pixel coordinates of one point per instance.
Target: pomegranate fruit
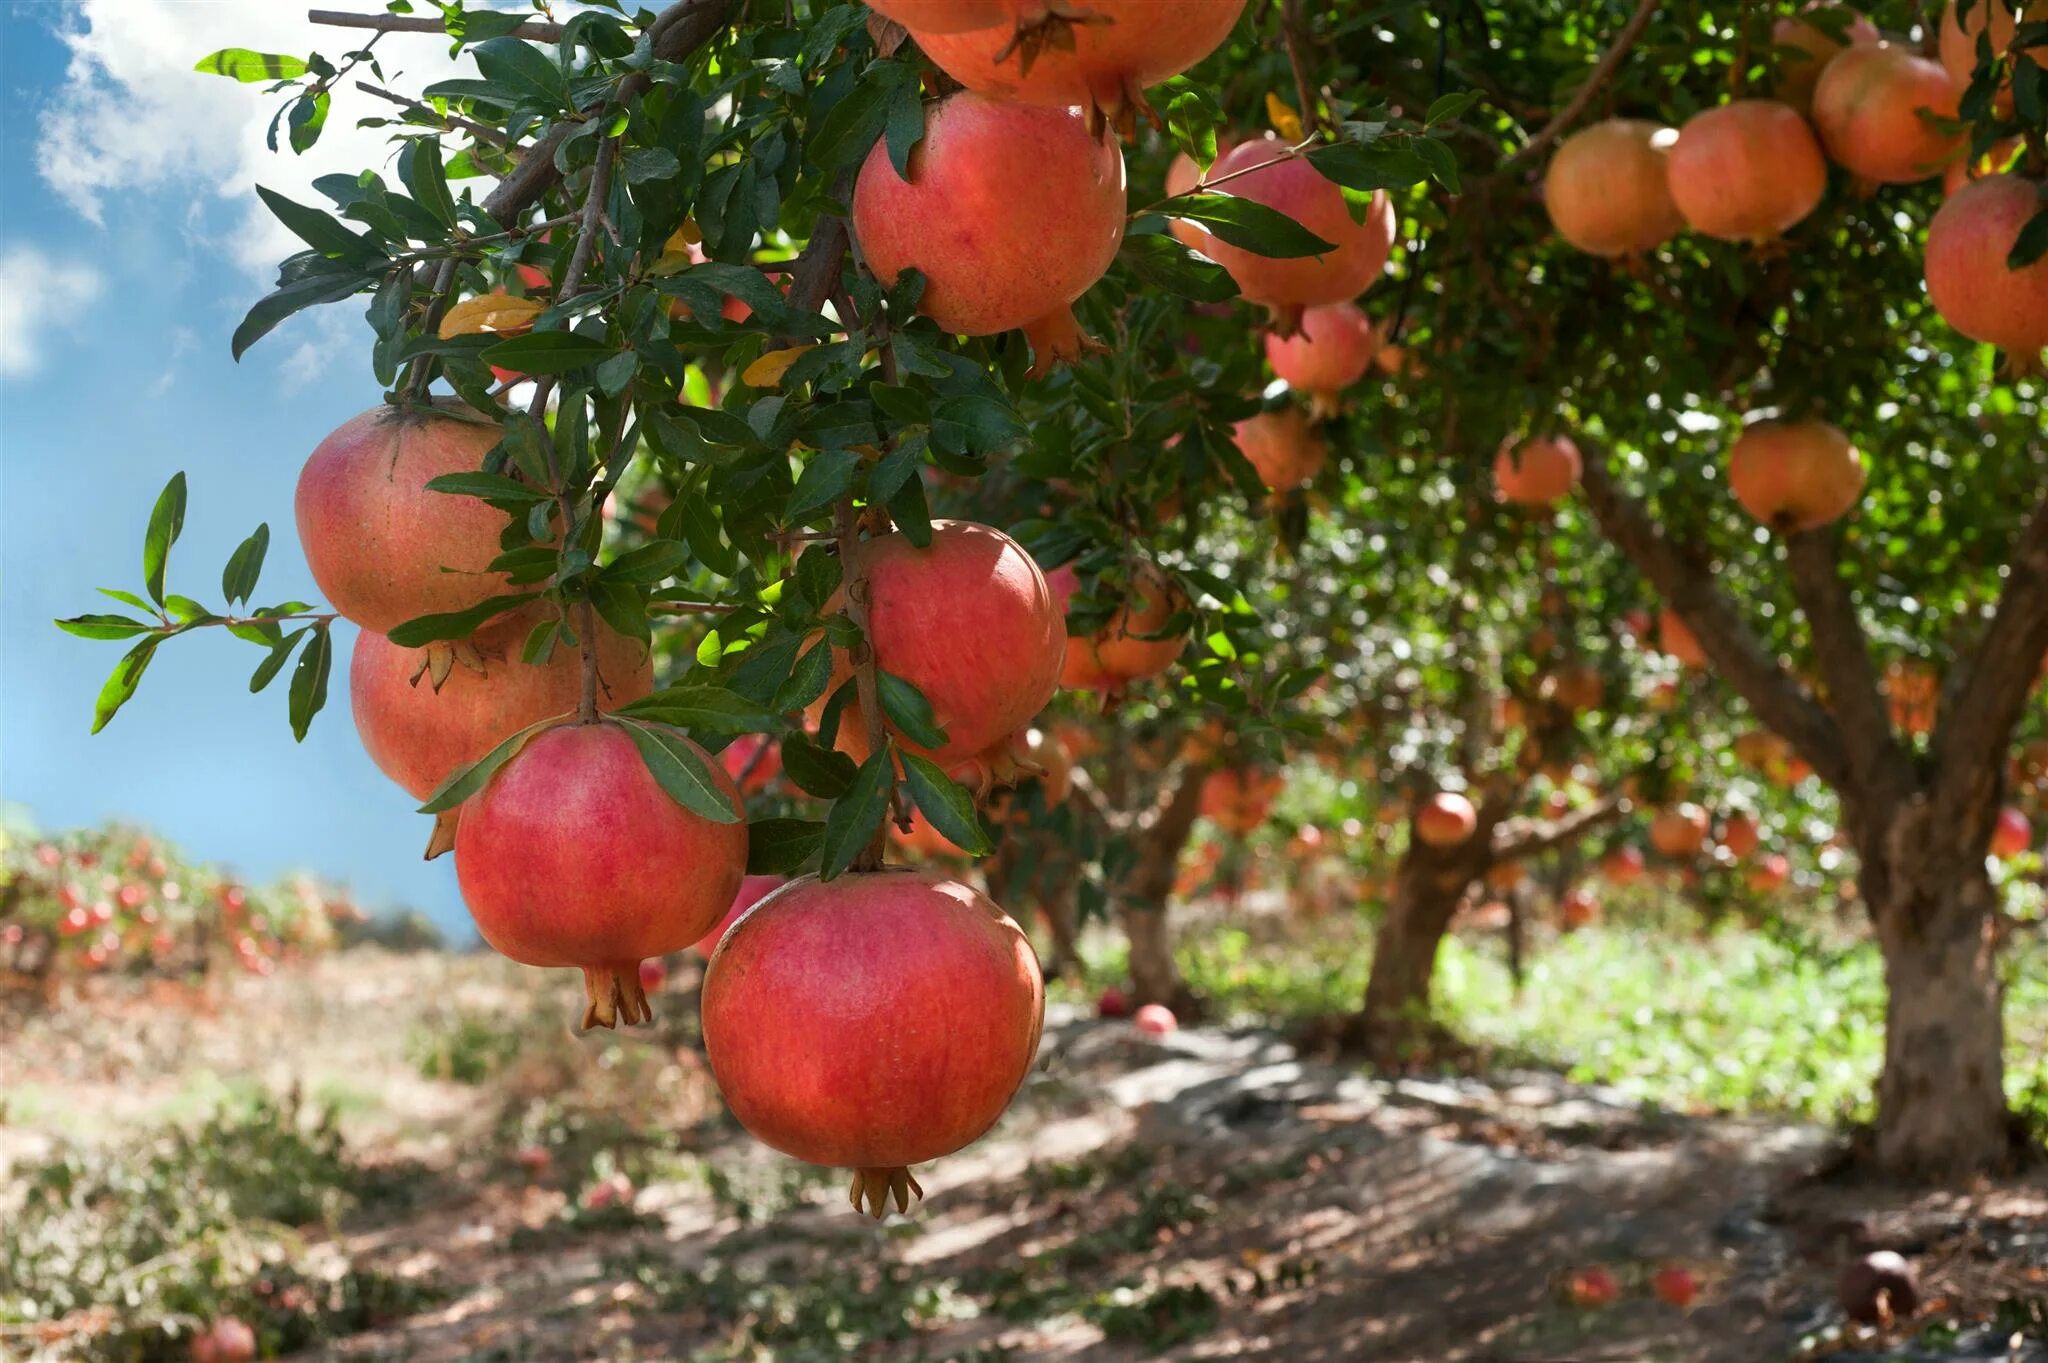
(1591, 1289)
(1536, 472)
(1799, 70)
(1237, 799)
(872, 1022)
(1960, 36)
(1747, 171)
(1265, 173)
(1740, 835)
(1099, 56)
(1112, 1003)
(1606, 188)
(1624, 865)
(1331, 352)
(1967, 278)
(1282, 446)
(1912, 691)
(382, 548)
(970, 622)
(1868, 110)
(574, 855)
(946, 16)
(1675, 1286)
(753, 760)
(753, 889)
(1446, 819)
(1578, 909)
(227, 1340)
(1156, 1020)
(2011, 834)
(1676, 638)
(1122, 651)
(1770, 872)
(1011, 212)
(1795, 475)
(1679, 831)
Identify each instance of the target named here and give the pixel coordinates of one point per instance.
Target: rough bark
(1428, 887)
(1146, 888)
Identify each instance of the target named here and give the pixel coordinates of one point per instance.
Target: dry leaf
(491, 312)
(1281, 115)
(767, 371)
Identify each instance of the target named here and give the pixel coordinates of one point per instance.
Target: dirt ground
(1209, 1196)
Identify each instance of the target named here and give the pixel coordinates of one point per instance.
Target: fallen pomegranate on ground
(872, 1022)
(1675, 1286)
(227, 1340)
(1156, 1020)
(1592, 1289)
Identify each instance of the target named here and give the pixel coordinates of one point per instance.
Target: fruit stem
(846, 522)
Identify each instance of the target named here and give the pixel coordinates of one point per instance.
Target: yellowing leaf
(491, 312)
(1281, 115)
(680, 251)
(767, 371)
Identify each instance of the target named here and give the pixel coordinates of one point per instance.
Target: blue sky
(128, 252)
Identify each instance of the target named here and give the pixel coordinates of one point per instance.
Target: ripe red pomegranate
(753, 889)
(1967, 278)
(574, 855)
(2011, 834)
(872, 1022)
(1446, 819)
(1121, 652)
(753, 760)
(1591, 1289)
(1676, 638)
(1578, 909)
(1740, 834)
(1606, 189)
(1536, 472)
(1679, 831)
(535, 1161)
(1867, 108)
(1183, 173)
(1237, 799)
(377, 541)
(970, 622)
(1156, 1020)
(227, 1340)
(1011, 211)
(1282, 445)
(947, 16)
(1747, 171)
(1675, 1286)
(419, 734)
(1770, 872)
(1112, 1003)
(1795, 475)
(1799, 70)
(1624, 865)
(1102, 59)
(1959, 37)
(1290, 185)
(1331, 352)
(1912, 690)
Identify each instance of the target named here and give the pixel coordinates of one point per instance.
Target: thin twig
(1294, 36)
(1601, 74)
(534, 30)
(1204, 185)
(422, 373)
(586, 620)
(452, 122)
(866, 685)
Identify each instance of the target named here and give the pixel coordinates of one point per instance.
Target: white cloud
(133, 115)
(37, 295)
(183, 339)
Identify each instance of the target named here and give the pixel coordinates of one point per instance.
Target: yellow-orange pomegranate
(1538, 471)
(1121, 652)
(1606, 190)
(1805, 48)
(1868, 110)
(1747, 171)
(1446, 819)
(1676, 638)
(1282, 446)
(1795, 475)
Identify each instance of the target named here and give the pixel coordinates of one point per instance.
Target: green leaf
(1389, 164)
(420, 167)
(309, 680)
(104, 626)
(307, 118)
(818, 771)
(624, 608)
(975, 425)
(279, 653)
(523, 70)
(856, 815)
(296, 296)
(460, 624)
(125, 598)
(240, 63)
(1252, 226)
(643, 164)
(913, 517)
(1443, 165)
(245, 565)
(903, 125)
(817, 577)
(166, 520)
(462, 784)
(704, 709)
(491, 487)
(546, 352)
(699, 522)
(825, 479)
(649, 565)
(2032, 242)
(909, 711)
(1165, 264)
(949, 807)
(678, 766)
(121, 684)
(807, 680)
(782, 847)
(1447, 107)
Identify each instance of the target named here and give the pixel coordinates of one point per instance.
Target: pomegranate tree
(1869, 106)
(1010, 211)
(1969, 280)
(1795, 475)
(872, 1022)
(1747, 171)
(574, 854)
(1607, 191)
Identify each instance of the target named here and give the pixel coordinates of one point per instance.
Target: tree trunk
(1062, 907)
(1148, 885)
(1396, 1017)
(1941, 1109)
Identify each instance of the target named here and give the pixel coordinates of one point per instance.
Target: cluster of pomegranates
(1752, 169)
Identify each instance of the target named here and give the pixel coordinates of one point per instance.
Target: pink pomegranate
(1537, 472)
(1868, 110)
(2011, 834)
(753, 760)
(653, 975)
(1121, 652)
(1606, 188)
(971, 623)
(1112, 1003)
(1675, 1286)
(1769, 873)
(1446, 819)
(1331, 352)
(1290, 185)
(1011, 212)
(1156, 1020)
(1812, 48)
(753, 889)
(1795, 475)
(872, 1022)
(227, 1340)
(1237, 799)
(1283, 446)
(1968, 280)
(1747, 171)
(574, 855)
(384, 549)
(1101, 59)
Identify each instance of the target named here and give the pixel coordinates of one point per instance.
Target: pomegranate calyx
(442, 839)
(614, 994)
(1057, 339)
(873, 1188)
(438, 660)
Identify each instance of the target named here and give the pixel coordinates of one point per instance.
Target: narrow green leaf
(679, 767)
(949, 807)
(624, 607)
(491, 487)
(297, 296)
(817, 577)
(462, 784)
(321, 231)
(420, 167)
(909, 711)
(166, 520)
(309, 680)
(1165, 264)
(825, 479)
(280, 651)
(546, 352)
(649, 565)
(121, 684)
(245, 565)
(807, 680)
(461, 624)
(783, 847)
(856, 815)
(104, 626)
(822, 772)
(704, 709)
(240, 63)
(1250, 225)
(308, 117)
(522, 69)
(125, 598)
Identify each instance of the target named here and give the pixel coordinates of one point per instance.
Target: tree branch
(1990, 694)
(1527, 838)
(451, 122)
(1602, 72)
(1689, 588)
(1843, 653)
(534, 30)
